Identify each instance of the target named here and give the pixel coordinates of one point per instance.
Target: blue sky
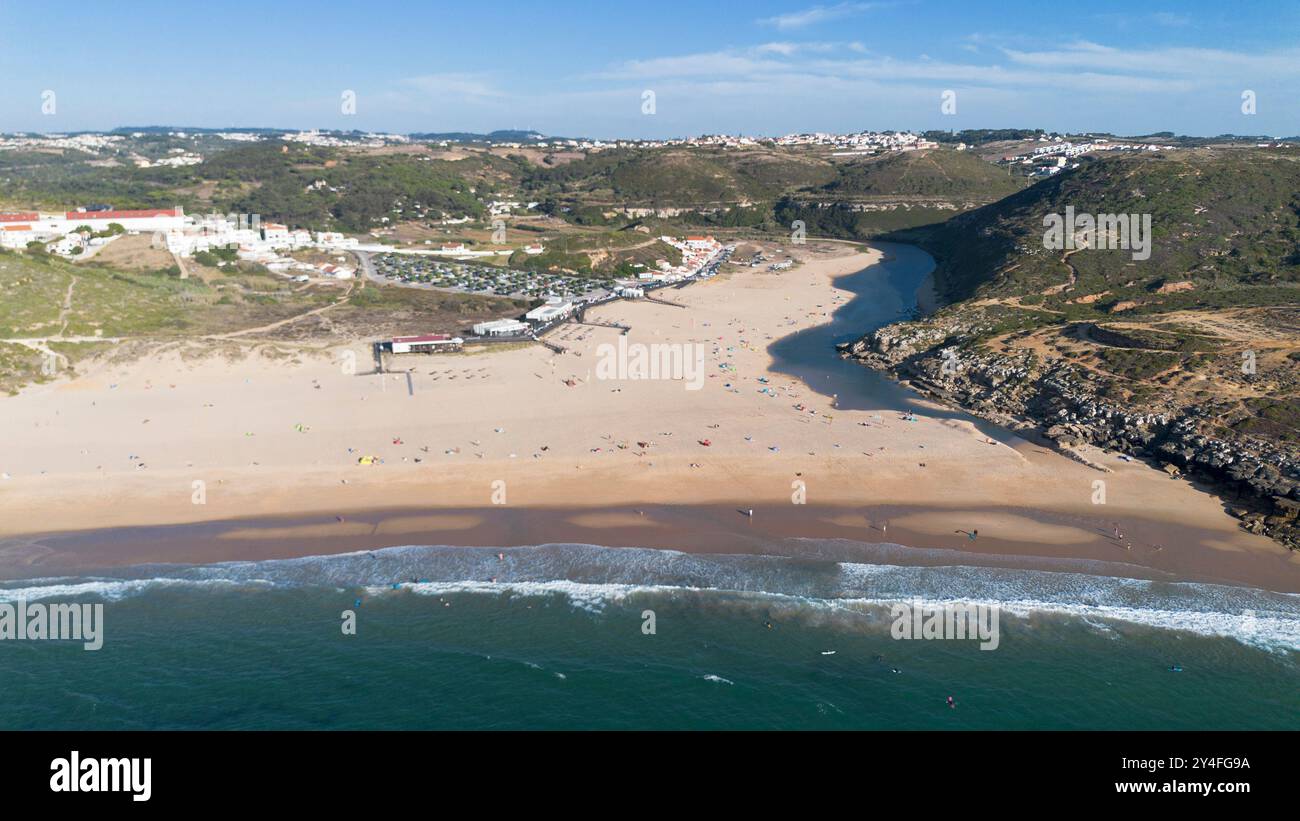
(578, 68)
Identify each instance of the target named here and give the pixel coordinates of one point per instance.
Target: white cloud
(1081, 66)
(790, 49)
(786, 62)
(453, 85)
(1167, 18)
(1204, 64)
(816, 14)
(792, 85)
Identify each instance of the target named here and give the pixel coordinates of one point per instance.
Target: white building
(69, 244)
(17, 236)
(338, 271)
(334, 239)
(428, 343)
(276, 233)
(555, 308)
(501, 327)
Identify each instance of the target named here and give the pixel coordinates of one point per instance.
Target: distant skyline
(583, 69)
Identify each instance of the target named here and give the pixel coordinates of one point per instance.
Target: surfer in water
(952, 704)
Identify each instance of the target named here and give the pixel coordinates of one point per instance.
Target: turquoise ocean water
(557, 641)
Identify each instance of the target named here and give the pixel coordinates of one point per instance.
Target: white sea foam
(1267, 631)
(593, 598)
(591, 578)
(111, 589)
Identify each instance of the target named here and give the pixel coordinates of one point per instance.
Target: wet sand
(1150, 548)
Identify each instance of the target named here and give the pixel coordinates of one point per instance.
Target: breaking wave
(590, 578)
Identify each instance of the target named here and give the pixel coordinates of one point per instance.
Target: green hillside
(1227, 221)
(929, 173)
(681, 177)
(357, 189)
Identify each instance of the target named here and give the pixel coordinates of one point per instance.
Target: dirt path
(281, 323)
(1074, 275)
(66, 307)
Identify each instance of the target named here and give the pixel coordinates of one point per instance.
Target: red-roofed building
(152, 219)
(29, 216)
(16, 235)
(124, 215)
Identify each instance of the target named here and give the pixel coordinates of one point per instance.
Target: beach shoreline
(526, 446)
(921, 535)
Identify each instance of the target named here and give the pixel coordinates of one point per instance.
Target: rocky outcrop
(1259, 483)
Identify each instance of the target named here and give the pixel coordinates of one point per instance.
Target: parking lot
(483, 279)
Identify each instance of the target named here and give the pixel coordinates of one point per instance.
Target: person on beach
(1119, 537)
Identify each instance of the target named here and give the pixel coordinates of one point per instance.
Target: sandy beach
(172, 458)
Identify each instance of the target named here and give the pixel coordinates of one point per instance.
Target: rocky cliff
(1067, 403)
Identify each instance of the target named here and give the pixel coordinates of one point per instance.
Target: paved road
(368, 266)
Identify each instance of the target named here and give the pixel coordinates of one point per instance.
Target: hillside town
(1056, 154)
(83, 231)
(868, 142)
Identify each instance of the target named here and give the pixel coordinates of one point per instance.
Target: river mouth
(882, 293)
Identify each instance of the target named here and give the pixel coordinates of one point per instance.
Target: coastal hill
(872, 196)
(682, 177)
(360, 188)
(1190, 358)
(1225, 219)
(931, 173)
